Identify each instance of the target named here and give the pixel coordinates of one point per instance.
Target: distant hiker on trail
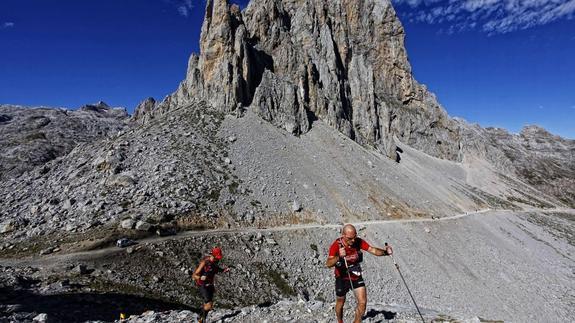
(345, 254)
(204, 276)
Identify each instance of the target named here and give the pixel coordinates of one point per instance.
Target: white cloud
(7, 24)
(491, 16)
(185, 7)
(183, 10)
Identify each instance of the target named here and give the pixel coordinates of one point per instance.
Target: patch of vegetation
(24, 249)
(555, 225)
(122, 288)
(320, 297)
(535, 203)
(125, 204)
(100, 237)
(233, 187)
(277, 279)
(489, 321)
(313, 247)
(35, 136)
(446, 319)
(569, 201)
(214, 195)
(191, 223)
(103, 166)
(562, 215)
(492, 200)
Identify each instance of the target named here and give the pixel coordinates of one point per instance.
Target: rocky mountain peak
(342, 62)
(98, 106)
(101, 108)
(144, 110)
(536, 131)
(31, 137)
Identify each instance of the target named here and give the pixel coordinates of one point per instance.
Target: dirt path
(55, 259)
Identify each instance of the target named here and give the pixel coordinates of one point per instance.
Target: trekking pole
(346, 268)
(400, 275)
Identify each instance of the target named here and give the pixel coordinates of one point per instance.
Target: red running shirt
(352, 255)
(209, 270)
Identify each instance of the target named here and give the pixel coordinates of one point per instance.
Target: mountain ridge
(288, 124)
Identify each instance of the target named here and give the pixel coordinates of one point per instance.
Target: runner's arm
(333, 257)
(380, 252)
(223, 269)
(331, 261)
(196, 274)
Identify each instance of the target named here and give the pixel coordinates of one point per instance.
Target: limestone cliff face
(341, 61)
(535, 156)
(221, 74)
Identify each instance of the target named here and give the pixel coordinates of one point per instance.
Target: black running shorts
(207, 293)
(342, 286)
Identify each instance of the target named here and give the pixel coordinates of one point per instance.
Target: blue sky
(503, 63)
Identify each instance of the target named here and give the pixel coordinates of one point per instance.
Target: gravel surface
(505, 253)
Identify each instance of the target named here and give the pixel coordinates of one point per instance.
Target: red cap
(217, 253)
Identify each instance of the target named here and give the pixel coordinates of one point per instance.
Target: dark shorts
(342, 286)
(207, 293)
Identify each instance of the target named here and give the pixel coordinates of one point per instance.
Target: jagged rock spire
(341, 61)
(220, 74)
(144, 111)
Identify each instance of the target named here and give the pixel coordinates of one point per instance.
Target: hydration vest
(209, 270)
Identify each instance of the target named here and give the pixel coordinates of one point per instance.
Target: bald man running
(345, 254)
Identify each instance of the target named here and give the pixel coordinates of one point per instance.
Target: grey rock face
(296, 206)
(173, 168)
(43, 317)
(221, 73)
(31, 137)
(349, 62)
(127, 224)
(144, 111)
(544, 161)
(7, 226)
(342, 62)
(143, 226)
(278, 102)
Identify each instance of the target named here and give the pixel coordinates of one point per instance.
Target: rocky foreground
(302, 311)
(297, 116)
(284, 311)
(280, 271)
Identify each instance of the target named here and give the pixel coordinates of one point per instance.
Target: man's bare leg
(339, 302)
(361, 296)
(206, 309)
